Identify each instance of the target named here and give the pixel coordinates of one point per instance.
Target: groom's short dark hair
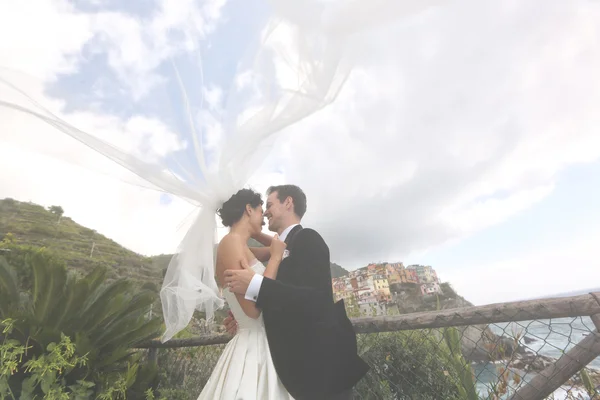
(293, 191)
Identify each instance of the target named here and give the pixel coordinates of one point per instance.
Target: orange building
(408, 276)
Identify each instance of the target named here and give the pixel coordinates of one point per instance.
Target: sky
(465, 136)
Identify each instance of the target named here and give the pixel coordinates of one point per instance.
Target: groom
(312, 341)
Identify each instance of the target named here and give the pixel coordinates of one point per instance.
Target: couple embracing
(291, 341)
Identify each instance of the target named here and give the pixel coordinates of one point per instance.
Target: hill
(81, 248)
(337, 271)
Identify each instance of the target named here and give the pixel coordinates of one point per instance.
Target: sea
(550, 338)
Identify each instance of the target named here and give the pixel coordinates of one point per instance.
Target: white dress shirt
(256, 282)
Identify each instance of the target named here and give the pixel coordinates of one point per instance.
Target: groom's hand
(238, 280)
(230, 324)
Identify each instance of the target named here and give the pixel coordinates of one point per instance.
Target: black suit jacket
(312, 341)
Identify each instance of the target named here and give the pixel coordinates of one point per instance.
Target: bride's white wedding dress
(245, 370)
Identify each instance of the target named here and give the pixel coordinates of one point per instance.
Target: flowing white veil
(260, 103)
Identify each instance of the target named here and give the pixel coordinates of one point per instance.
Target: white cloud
(42, 38)
(476, 215)
(135, 47)
(455, 121)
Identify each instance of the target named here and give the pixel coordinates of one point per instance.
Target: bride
(245, 368)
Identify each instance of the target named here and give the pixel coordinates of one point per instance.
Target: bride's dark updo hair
(233, 209)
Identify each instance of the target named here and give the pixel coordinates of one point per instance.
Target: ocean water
(550, 338)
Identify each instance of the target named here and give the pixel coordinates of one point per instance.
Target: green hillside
(337, 271)
(81, 248)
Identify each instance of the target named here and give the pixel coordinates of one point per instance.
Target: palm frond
(49, 280)
(9, 293)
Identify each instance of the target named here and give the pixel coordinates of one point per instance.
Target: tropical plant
(104, 321)
(458, 365)
(45, 374)
(589, 386)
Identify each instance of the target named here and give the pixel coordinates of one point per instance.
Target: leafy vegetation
(405, 365)
(183, 372)
(45, 373)
(85, 323)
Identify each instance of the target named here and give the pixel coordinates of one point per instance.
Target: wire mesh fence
(441, 355)
(490, 361)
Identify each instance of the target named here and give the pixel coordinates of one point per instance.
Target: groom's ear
(289, 202)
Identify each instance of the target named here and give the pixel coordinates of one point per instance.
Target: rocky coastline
(481, 346)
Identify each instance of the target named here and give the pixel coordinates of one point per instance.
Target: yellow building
(382, 288)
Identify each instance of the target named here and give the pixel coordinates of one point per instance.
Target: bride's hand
(277, 248)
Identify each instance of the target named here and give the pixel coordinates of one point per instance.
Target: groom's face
(274, 212)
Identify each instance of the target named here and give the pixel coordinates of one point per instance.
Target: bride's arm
(263, 239)
(231, 256)
(262, 253)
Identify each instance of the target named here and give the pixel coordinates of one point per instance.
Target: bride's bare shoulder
(231, 248)
(229, 251)
(229, 241)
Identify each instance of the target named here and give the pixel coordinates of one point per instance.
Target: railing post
(596, 321)
(152, 355)
(596, 317)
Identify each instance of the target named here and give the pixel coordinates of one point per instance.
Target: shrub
(46, 374)
(406, 365)
(104, 321)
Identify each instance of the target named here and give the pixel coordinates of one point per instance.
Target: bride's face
(257, 219)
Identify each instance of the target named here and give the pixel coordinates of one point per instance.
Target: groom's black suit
(312, 341)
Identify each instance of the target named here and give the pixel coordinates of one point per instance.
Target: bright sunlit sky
(468, 139)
